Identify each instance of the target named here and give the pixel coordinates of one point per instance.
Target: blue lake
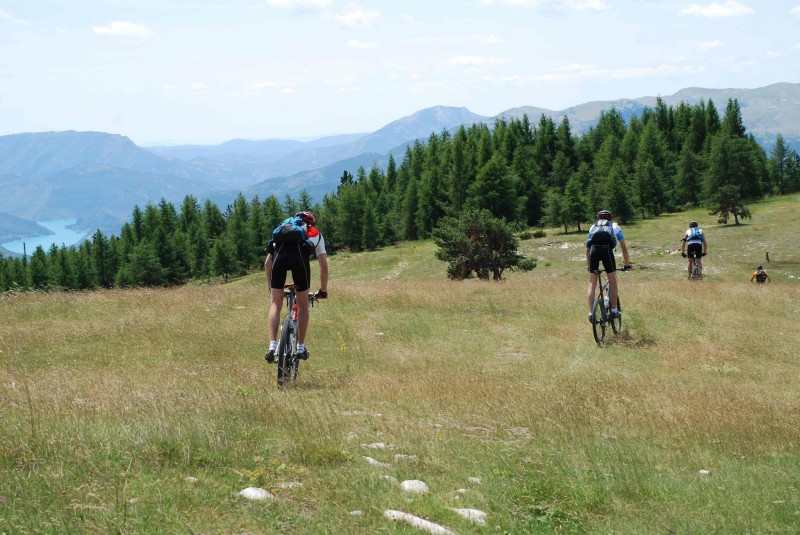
(61, 236)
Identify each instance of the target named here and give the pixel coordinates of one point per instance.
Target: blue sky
(205, 71)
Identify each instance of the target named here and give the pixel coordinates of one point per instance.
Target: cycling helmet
(308, 217)
(604, 214)
(693, 224)
(760, 268)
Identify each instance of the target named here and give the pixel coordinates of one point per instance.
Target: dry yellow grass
(123, 394)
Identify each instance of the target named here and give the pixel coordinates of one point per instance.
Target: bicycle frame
(695, 274)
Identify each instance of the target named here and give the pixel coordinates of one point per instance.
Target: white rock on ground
(414, 485)
(356, 513)
(704, 472)
(191, 479)
(390, 479)
(255, 493)
(291, 485)
(376, 462)
(404, 457)
(417, 522)
(374, 446)
(473, 515)
(474, 480)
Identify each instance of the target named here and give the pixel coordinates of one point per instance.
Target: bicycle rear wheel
(616, 323)
(599, 321)
(287, 364)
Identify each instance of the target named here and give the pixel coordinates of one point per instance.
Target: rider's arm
(683, 245)
(705, 245)
(323, 272)
(625, 255)
(753, 277)
(268, 267)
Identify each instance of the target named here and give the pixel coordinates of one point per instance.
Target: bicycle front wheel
(287, 369)
(599, 321)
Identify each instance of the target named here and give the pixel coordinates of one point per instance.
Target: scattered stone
(704, 472)
(356, 513)
(461, 491)
(473, 515)
(374, 446)
(291, 485)
(133, 501)
(417, 522)
(474, 480)
(414, 485)
(255, 493)
(375, 462)
(390, 479)
(78, 401)
(404, 457)
(191, 479)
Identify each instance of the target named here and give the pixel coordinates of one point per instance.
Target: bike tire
(598, 322)
(616, 323)
(285, 356)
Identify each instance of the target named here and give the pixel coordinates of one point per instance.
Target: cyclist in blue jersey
(600, 244)
(694, 246)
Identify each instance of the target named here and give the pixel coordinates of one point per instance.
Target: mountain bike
(288, 363)
(601, 311)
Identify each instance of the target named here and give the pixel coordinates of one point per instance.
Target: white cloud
(796, 10)
(576, 71)
(731, 8)
(355, 15)
(5, 15)
(707, 45)
(354, 43)
(299, 4)
(120, 27)
(489, 40)
(475, 61)
(569, 5)
(200, 87)
(771, 54)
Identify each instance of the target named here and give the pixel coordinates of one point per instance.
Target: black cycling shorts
(604, 254)
(290, 257)
(694, 250)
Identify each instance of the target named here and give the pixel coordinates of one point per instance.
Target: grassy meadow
(688, 422)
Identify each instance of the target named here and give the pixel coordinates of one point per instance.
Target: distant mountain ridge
(97, 177)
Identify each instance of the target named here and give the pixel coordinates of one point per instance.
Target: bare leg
(275, 312)
(591, 290)
(302, 316)
(612, 289)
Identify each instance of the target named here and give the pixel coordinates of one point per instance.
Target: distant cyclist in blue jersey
(694, 246)
(600, 244)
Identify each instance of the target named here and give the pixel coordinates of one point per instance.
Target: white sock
(273, 345)
(300, 348)
(613, 310)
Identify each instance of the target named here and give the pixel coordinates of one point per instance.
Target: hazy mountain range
(97, 178)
